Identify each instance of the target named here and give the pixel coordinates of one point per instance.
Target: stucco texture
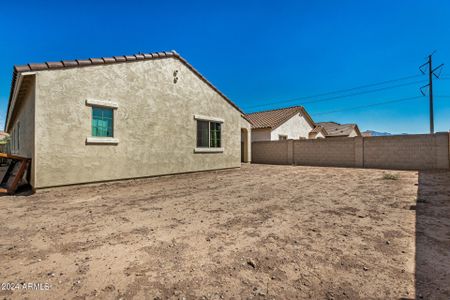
(154, 123)
(294, 128)
(246, 140)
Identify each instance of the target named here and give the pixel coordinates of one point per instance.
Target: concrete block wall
(402, 152)
(270, 152)
(339, 152)
(414, 152)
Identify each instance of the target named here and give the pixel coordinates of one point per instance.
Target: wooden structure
(14, 173)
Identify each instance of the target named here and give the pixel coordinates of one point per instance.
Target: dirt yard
(269, 232)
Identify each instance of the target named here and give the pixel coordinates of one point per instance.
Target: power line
(364, 92)
(347, 90)
(369, 105)
(340, 96)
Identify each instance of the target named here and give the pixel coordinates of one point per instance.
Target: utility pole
(431, 72)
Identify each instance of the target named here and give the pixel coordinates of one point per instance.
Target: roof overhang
(20, 72)
(16, 90)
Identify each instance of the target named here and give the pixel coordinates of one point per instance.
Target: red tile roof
(318, 129)
(103, 61)
(274, 118)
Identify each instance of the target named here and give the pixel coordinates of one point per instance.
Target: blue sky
(256, 52)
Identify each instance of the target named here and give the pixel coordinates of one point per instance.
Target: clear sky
(257, 52)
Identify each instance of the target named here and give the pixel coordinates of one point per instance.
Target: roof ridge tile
(17, 69)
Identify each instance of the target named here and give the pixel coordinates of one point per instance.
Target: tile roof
(274, 118)
(318, 129)
(63, 64)
(336, 129)
(94, 61)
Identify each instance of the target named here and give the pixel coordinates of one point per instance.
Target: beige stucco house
(285, 123)
(122, 117)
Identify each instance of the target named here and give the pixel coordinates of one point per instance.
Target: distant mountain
(375, 133)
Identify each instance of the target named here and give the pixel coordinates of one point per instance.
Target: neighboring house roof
(3, 137)
(335, 129)
(318, 129)
(64, 64)
(274, 118)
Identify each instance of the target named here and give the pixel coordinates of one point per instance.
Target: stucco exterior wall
(294, 128)
(246, 137)
(319, 135)
(353, 133)
(154, 123)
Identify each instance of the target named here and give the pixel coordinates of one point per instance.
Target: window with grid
(214, 135)
(208, 134)
(102, 122)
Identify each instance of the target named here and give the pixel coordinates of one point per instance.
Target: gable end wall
(154, 123)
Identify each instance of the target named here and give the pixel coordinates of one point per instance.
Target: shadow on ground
(433, 235)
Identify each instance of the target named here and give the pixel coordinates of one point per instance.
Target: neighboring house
(4, 137)
(318, 132)
(121, 117)
(334, 129)
(375, 133)
(280, 124)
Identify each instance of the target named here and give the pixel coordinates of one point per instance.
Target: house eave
(16, 86)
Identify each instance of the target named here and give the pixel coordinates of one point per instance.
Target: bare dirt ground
(269, 232)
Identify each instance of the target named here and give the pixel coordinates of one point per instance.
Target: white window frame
(209, 149)
(105, 104)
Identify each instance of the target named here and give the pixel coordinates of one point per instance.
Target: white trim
(205, 118)
(103, 103)
(208, 150)
(101, 140)
(28, 73)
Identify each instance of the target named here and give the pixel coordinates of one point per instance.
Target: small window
(208, 134)
(282, 137)
(102, 122)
